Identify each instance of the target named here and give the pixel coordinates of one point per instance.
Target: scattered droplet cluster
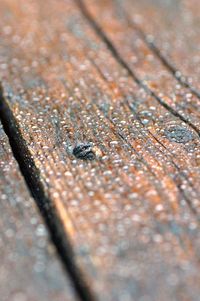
(128, 212)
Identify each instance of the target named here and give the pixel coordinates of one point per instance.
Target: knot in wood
(178, 134)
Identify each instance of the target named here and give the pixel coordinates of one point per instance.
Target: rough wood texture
(132, 215)
(178, 36)
(142, 61)
(29, 267)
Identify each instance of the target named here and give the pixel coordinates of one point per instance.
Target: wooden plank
(177, 40)
(30, 269)
(115, 37)
(144, 65)
(132, 214)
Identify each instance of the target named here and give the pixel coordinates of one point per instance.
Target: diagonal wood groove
(131, 73)
(190, 205)
(31, 175)
(158, 53)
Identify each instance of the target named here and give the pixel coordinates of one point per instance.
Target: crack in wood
(158, 53)
(190, 205)
(100, 32)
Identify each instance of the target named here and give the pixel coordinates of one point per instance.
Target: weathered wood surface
(142, 61)
(29, 268)
(131, 215)
(178, 36)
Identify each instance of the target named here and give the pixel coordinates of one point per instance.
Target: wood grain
(144, 65)
(132, 215)
(178, 36)
(30, 269)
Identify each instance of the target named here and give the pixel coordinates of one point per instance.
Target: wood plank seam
(48, 211)
(121, 136)
(30, 269)
(99, 31)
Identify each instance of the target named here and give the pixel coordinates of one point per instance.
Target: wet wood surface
(30, 269)
(177, 41)
(88, 73)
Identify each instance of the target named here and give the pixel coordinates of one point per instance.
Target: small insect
(86, 151)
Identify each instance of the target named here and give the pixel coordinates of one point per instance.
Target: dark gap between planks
(31, 175)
